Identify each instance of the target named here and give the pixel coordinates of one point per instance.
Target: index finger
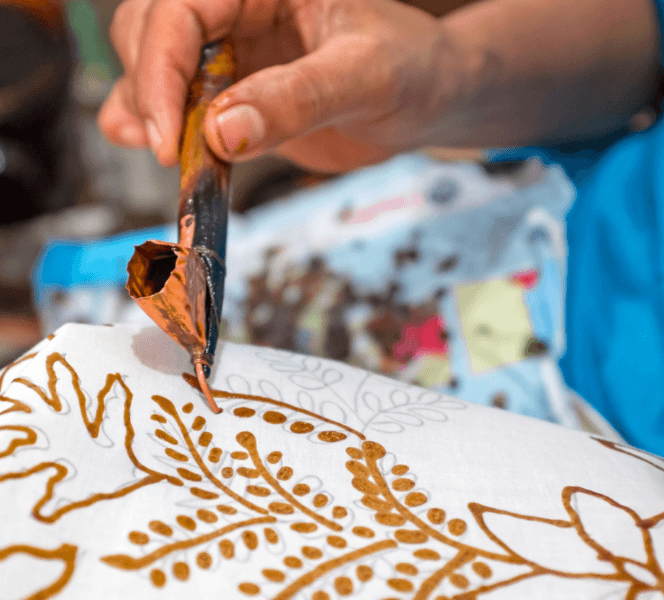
(175, 32)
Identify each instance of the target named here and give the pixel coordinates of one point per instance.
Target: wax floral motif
(242, 503)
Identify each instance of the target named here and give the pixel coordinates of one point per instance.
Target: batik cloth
(317, 481)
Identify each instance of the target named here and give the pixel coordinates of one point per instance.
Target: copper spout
(203, 384)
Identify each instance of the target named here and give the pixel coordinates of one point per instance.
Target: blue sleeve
(614, 303)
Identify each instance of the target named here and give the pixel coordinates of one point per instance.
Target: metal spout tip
(205, 388)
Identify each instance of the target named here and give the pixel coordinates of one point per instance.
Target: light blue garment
(615, 286)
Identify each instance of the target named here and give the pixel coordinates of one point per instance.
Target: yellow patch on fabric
(494, 322)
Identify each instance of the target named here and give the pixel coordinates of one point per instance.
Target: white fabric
(420, 496)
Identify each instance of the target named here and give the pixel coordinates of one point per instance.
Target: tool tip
(205, 388)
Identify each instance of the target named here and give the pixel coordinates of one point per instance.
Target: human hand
(332, 84)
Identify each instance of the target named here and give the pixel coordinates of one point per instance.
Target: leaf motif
(286, 367)
(307, 382)
(271, 356)
(372, 402)
(332, 376)
(238, 384)
(429, 414)
(333, 411)
(270, 390)
(429, 397)
(305, 401)
(387, 426)
(311, 364)
(399, 398)
(405, 418)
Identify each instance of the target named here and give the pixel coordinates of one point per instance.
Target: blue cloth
(615, 284)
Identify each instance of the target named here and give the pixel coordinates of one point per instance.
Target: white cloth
(317, 481)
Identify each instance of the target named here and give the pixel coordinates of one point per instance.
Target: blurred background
(438, 267)
(60, 179)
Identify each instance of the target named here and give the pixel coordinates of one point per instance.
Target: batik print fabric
(318, 481)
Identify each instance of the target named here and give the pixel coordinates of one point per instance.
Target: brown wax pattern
(333, 556)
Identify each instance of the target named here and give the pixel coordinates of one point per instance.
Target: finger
(350, 78)
(174, 34)
(126, 31)
(118, 121)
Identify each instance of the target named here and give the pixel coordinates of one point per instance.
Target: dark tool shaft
(205, 191)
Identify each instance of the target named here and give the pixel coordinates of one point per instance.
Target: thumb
(347, 78)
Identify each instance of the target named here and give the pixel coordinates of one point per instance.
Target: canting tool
(181, 286)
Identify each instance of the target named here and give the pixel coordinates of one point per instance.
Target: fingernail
(240, 128)
(154, 137)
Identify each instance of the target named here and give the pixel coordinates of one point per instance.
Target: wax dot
(206, 516)
(205, 438)
(304, 527)
(458, 580)
(364, 532)
(400, 585)
(482, 569)
(344, 586)
(436, 515)
(285, 473)
(139, 538)
(301, 489)
(339, 512)
(186, 522)
(204, 560)
(403, 485)
(354, 453)
(274, 575)
(227, 549)
(336, 541)
(293, 562)
(244, 412)
(181, 571)
(160, 528)
(274, 417)
(415, 499)
(271, 535)
(311, 552)
(250, 589)
(407, 569)
(158, 577)
(331, 436)
(301, 427)
(457, 526)
(250, 540)
(225, 509)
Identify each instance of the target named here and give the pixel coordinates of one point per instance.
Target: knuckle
(305, 91)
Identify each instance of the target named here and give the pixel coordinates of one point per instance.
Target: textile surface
(318, 480)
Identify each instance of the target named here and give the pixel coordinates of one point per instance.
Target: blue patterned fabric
(615, 285)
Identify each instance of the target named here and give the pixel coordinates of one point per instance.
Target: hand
(332, 84)
(335, 84)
